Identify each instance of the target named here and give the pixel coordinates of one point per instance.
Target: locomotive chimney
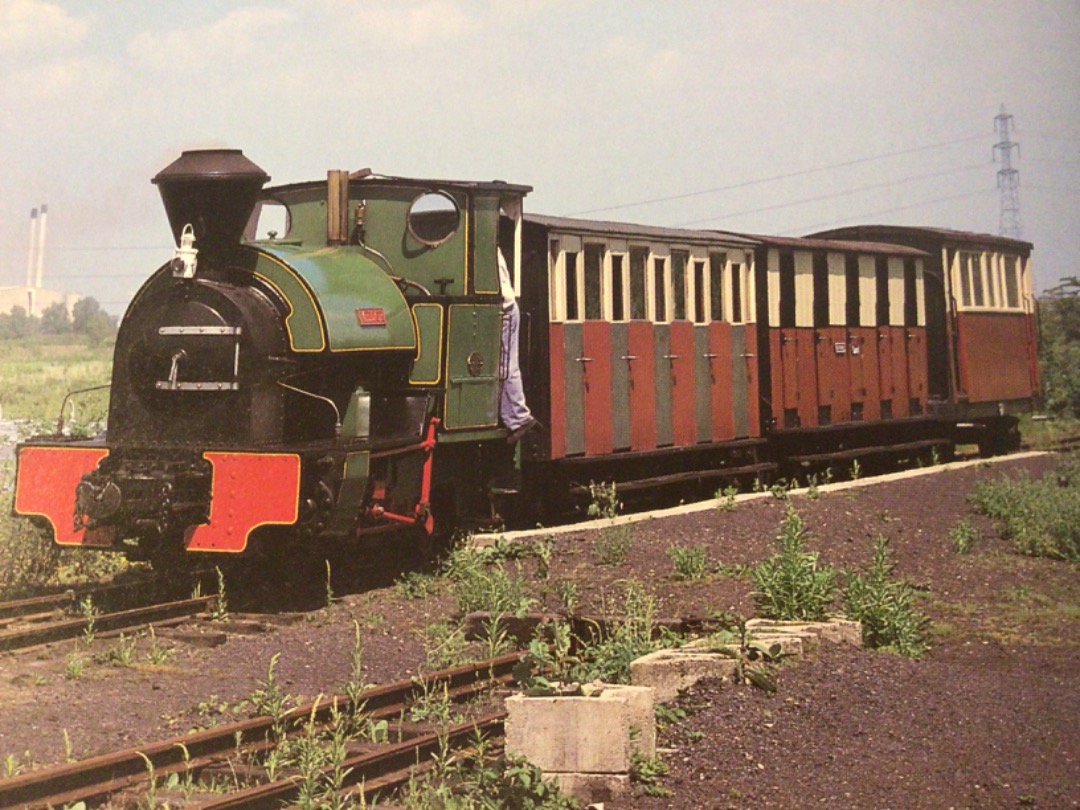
(214, 191)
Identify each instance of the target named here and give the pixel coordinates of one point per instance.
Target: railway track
(44, 619)
(239, 748)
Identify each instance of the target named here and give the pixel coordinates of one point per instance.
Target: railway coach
(983, 354)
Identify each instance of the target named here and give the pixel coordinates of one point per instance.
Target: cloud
(228, 40)
(408, 23)
(32, 26)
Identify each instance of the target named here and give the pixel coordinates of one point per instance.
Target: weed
(963, 536)
(74, 666)
(792, 584)
(478, 585)
(668, 714)
(613, 543)
(782, 488)
(270, 699)
(647, 772)
(734, 639)
(496, 638)
(690, 563)
(431, 703)
(157, 654)
(569, 596)
(632, 634)
(725, 498)
(885, 607)
(444, 645)
(329, 587)
(121, 654)
(90, 614)
(220, 611)
(414, 585)
(813, 482)
(13, 765)
(544, 552)
(484, 782)
(1041, 517)
(856, 470)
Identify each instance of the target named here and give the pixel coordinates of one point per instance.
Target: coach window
(594, 258)
(567, 284)
(717, 263)
(911, 300)
(881, 289)
(700, 278)
(852, 303)
(787, 289)
(680, 260)
(615, 275)
(738, 289)
(972, 284)
(572, 284)
(659, 269)
(639, 258)
(554, 305)
(1012, 281)
(821, 289)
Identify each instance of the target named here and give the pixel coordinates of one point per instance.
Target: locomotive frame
(321, 361)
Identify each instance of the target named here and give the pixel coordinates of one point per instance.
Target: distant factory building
(33, 297)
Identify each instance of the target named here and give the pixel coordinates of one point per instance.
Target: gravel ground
(989, 718)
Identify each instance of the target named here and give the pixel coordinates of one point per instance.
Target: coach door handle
(584, 359)
(710, 356)
(629, 357)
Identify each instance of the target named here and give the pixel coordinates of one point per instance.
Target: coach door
(862, 337)
(833, 367)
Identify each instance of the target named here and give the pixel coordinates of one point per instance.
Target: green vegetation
(690, 562)
(964, 536)
(1059, 348)
(484, 781)
(37, 373)
(613, 543)
(885, 607)
(479, 581)
(30, 561)
(792, 584)
(1041, 517)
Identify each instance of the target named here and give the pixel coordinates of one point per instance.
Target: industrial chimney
(39, 277)
(31, 264)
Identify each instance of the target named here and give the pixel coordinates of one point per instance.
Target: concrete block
(593, 788)
(669, 671)
(572, 734)
(836, 631)
(790, 644)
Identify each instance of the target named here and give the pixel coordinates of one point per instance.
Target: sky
(777, 117)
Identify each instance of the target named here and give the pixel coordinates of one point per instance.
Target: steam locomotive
(322, 361)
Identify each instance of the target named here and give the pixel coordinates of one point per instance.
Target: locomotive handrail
(67, 397)
(327, 400)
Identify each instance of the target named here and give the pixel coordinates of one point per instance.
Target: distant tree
(17, 323)
(88, 318)
(55, 320)
(1059, 347)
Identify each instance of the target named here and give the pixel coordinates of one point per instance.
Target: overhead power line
(834, 195)
(864, 217)
(788, 175)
